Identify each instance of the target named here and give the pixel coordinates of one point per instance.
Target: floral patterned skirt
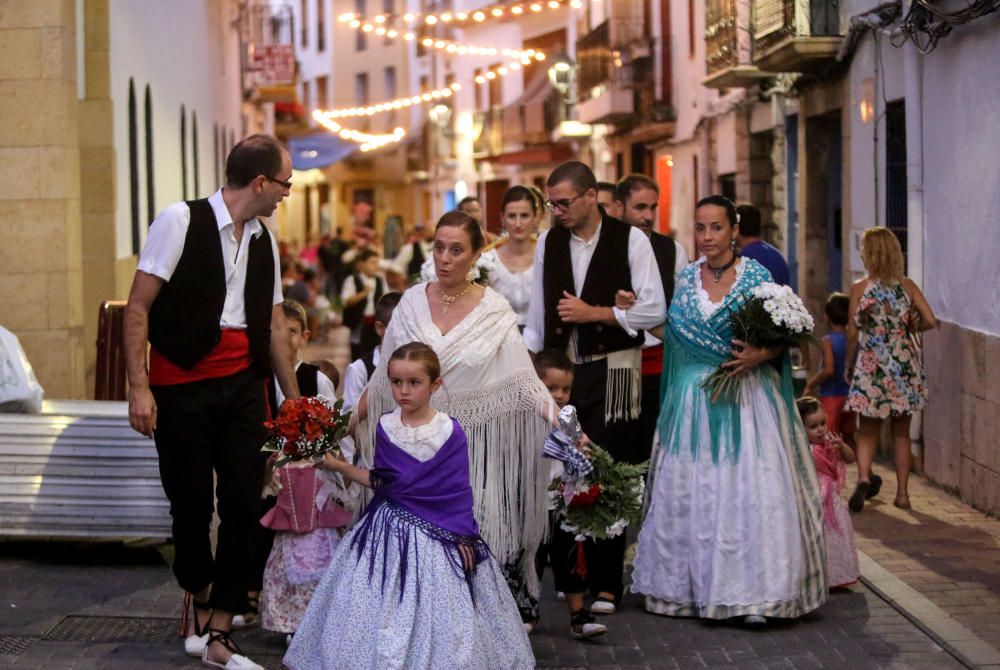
(294, 568)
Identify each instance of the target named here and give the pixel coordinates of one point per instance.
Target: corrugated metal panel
(79, 470)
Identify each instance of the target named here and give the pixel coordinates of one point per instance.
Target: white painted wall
(187, 51)
(960, 106)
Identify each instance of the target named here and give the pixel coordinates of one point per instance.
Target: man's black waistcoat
(184, 318)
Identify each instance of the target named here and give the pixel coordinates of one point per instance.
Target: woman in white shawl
(491, 387)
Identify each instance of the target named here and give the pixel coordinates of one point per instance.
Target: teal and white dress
(735, 522)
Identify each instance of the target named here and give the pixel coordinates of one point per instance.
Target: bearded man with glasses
(580, 264)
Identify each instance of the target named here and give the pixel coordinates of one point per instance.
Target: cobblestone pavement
(115, 606)
(942, 547)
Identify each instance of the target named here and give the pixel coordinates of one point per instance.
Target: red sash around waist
(652, 360)
(229, 356)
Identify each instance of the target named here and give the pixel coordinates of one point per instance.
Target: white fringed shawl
(491, 387)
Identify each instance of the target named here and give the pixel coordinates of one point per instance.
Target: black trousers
(606, 558)
(209, 434)
(649, 414)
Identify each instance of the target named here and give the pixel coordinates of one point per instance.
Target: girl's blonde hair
(421, 353)
(882, 254)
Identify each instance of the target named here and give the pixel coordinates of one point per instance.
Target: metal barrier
(78, 469)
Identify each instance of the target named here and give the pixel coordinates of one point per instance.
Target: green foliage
(618, 503)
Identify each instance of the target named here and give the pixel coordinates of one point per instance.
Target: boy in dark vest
(580, 264)
(207, 297)
(312, 382)
(360, 293)
(638, 198)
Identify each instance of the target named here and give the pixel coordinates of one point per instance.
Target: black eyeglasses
(283, 184)
(562, 205)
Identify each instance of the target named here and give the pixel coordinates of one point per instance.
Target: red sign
(274, 64)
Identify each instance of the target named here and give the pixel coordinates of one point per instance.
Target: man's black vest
(607, 273)
(665, 252)
(184, 318)
(306, 375)
(353, 316)
(417, 262)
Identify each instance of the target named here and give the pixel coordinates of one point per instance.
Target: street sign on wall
(273, 64)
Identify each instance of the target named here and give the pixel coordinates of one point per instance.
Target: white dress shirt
(349, 290)
(356, 379)
(401, 262)
(650, 306)
(680, 262)
(165, 244)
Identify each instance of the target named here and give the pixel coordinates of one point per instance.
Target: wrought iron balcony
(728, 60)
(795, 35)
(488, 131)
(606, 82)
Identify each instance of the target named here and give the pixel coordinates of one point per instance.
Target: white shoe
(235, 662)
(600, 606)
(754, 620)
(560, 595)
(244, 620)
(194, 645)
(582, 626)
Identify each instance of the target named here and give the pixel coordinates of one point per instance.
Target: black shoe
(874, 487)
(856, 503)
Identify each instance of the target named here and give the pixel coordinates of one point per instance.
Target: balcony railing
(600, 55)
(728, 61)
(720, 36)
(795, 35)
(488, 128)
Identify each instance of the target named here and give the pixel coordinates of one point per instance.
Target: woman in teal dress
(734, 527)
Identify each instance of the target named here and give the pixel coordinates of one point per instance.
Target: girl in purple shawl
(413, 585)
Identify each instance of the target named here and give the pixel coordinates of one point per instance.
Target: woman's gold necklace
(448, 300)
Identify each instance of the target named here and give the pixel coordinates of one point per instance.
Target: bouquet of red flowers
(306, 428)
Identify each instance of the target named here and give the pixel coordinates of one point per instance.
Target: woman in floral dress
(887, 378)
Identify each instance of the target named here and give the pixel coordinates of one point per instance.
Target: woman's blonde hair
(882, 254)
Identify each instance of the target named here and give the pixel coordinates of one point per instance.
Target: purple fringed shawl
(433, 497)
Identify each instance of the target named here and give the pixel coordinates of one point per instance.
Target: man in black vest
(580, 263)
(411, 257)
(638, 198)
(207, 297)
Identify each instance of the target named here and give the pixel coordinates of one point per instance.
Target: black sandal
(856, 503)
(874, 487)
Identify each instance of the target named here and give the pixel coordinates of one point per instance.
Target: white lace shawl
(491, 387)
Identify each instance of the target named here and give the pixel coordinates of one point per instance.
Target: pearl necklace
(448, 300)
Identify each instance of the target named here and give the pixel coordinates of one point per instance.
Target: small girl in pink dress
(308, 521)
(831, 455)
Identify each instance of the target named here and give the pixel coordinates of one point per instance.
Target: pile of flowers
(773, 317)
(603, 504)
(306, 428)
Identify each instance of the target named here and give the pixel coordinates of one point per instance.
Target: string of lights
(390, 105)
(368, 141)
(495, 11)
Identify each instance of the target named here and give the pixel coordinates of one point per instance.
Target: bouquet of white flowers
(773, 317)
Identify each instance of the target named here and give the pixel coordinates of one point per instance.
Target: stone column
(41, 273)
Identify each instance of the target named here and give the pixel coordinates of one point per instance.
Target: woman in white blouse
(511, 276)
